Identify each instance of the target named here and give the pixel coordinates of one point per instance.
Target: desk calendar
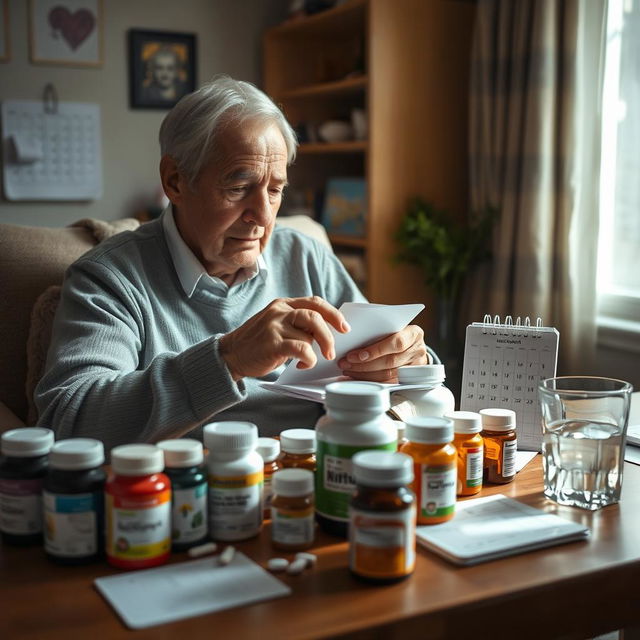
(503, 365)
(51, 154)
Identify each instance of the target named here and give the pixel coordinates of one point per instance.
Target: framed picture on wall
(345, 206)
(162, 68)
(5, 46)
(66, 32)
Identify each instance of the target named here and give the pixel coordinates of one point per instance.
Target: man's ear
(174, 182)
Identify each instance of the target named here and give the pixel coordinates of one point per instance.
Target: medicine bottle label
(139, 528)
(189, 514)
(21, 506)
(509, 449)
(382, 545)
(334, 477)
(473, 470)
(437, 490)
(71, 523)
(293, 527)
(235, 505)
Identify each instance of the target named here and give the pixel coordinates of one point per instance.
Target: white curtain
(536, 83)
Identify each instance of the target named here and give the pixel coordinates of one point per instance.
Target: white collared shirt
(190, 269)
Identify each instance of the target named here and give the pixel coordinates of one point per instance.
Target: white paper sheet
(157, 596)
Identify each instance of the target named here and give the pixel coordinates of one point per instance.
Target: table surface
(572, 590)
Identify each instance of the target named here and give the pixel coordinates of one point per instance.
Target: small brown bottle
(293, 510)
(269, 450)
(298, 449)
(500, 445)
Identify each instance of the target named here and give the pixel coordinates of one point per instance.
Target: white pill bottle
(431, 401)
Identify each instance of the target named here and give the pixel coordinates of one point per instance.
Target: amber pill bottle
(469, 445)
(269, 450)
(298, 448)
(293, 520)
(500, 445)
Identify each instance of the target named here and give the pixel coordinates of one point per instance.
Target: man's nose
(258, 210)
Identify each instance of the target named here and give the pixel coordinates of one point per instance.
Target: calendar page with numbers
(503, 365)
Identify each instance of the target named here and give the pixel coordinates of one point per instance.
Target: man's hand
(379, 362)
(284, 329)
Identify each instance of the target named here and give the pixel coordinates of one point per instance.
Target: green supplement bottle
(183, 460)
(23, 466)
(73, 499)
(355, 421)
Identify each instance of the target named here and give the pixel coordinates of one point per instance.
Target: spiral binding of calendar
(494, 326)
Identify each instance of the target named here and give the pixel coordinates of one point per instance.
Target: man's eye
(235, 192)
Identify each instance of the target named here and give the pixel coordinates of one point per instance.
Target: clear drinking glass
(584, 423)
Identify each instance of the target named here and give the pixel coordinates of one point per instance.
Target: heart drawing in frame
(74, 27)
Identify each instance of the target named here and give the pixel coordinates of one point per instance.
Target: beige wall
(229, 41)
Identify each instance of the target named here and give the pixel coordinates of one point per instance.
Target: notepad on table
(494, 527)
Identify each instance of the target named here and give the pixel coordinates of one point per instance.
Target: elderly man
(164, 329)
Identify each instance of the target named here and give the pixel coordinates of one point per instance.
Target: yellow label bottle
(469, 446)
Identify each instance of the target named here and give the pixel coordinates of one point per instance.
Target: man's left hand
(379, 362)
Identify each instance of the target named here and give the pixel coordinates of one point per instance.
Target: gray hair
(189, 130)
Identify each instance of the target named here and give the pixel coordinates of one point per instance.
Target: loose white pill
(227, 555)
(309, 558)
(277, 564)
(296, 567)
(202, 550)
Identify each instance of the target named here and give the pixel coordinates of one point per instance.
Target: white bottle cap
(182, 452)
(298, 441)
(357, 396)
(230, 436)
(498, 419)
(430, 374)
(268, 448)
(465, 421)
(428, 430)
(77, 454)
(136, 459)
(27, 442)
(293, 482)
(382, 468)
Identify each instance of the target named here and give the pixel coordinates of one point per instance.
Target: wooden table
(574, 590)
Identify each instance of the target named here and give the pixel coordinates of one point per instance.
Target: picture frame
(345, 207)
(5, 40)
(66, 32)
(162, 68)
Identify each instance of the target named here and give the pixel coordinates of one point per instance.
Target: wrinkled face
(164, 69)
(227, 216)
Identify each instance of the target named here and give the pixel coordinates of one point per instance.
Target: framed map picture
(345, 206)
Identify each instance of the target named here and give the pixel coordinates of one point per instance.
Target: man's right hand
(284, 329)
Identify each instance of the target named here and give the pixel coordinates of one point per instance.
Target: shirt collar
(190, 270)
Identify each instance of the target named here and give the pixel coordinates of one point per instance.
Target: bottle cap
(428, 430)
(182, 452)
(498, 419)
(465, 421)
(293, 482)
(136, 459)
(26, 442)
(230, 436)
(76, 453)
(356, 396)
(430, 374)
(268, 448)
(298, 441)
(382, 468)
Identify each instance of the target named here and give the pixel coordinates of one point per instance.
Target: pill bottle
(382, 517)
(400, 427)
(500, 445)
(355, 421)
(435, 467)
(292, 510)
(269, 450)
(23, 466)
(235, 480)
(432, 401)
(183, 466)
(73, 500)
(138, 508)
(468, 442)
(298, 448)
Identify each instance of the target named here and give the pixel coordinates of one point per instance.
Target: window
(619, 236)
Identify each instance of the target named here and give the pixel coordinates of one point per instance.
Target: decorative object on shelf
(335, 131)
(359, 124)
(65, 32)
(5, 41)
(345, 206)
(162, 68)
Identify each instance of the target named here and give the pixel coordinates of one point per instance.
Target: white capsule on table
(202, 550)
(310, 558)
(277, 564)
(226, 556)
(297, 566)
